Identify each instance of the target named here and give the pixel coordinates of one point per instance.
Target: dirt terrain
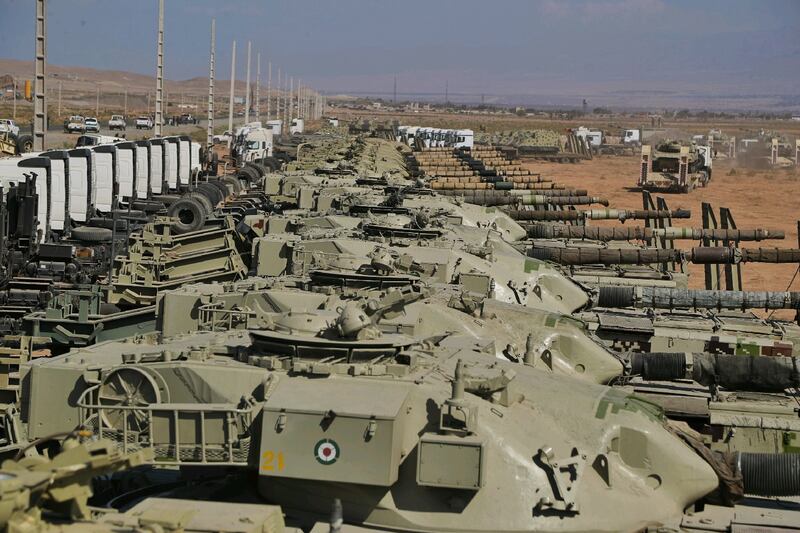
(767, 199)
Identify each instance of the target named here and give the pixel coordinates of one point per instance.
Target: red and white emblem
(326, 451)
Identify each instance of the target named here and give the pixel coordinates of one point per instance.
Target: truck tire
(210, 192)
(24, 144)
(188, 214)
(202, 199)
(91, 234)
(248, 175)
(107, 223)
(223, 190)
(233, 184)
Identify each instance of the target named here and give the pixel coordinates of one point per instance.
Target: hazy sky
(492, 46)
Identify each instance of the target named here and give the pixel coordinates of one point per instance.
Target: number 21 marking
(271, 461)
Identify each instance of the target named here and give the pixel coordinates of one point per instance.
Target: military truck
(675, 166)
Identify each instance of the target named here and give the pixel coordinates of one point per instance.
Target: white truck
(252, 144)
(117, 122)
(593, 138)
(276, 126)
(297, 126)
(637, 136)
(75, 124)
(143, 122)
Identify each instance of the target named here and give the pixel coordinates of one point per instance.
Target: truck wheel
(223, 190)
(24, 144)
(189, 215)
(232, 183)
(202, 199)
(91, 234)
(212, 193)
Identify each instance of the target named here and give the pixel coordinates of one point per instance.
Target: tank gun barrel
(722, 255)
(733, 372)
(492, 197)
(597, 214)
(628, 233)
(460, 189)
(646, 256)
(669, 298)
(605, 256)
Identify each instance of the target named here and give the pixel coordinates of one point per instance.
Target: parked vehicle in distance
(221, 138)
(8, 126)
(93, 139)
(91, 125)
(75, 124)
(144, 123)
(117, 122)
(186, 118)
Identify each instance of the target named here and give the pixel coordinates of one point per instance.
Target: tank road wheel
(129, 390)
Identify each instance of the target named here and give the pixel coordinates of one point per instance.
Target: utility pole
(446, 89)
(290, 107)
(278, 98)
(269, 90)
(14, 112)
(39, 95)
(298, 113)
(258, 85)
(125, 105)
(210, 124)
(97, 101)
(59, 98)
(159, 125)
(230, 101)
(247, 88)
(394, 93)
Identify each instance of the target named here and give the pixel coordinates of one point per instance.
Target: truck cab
(255, 144)
(298, 126)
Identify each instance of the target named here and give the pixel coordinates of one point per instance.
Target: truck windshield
(252, 145)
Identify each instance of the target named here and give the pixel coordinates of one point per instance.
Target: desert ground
(767, 199)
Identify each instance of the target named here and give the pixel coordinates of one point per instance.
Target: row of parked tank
(372, 355)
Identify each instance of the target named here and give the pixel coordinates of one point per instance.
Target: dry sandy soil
(758, 199)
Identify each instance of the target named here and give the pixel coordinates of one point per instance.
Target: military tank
(422, 437)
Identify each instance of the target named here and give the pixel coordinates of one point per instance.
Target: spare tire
(189, 215)
(202, 199)
(108, 309)
(91, 234)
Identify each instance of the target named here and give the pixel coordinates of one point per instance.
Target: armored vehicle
(673, 166)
